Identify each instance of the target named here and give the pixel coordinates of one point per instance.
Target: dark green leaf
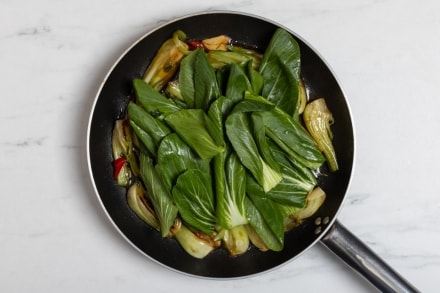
(240, 135)
(238, 83)
(261, 140)
(293, 170)
(175, 157)
(252, 103)
(230, 179)
(273, 240)
(153, 126)
(217, 113)
(219, 59)
(286, 192)
(145, 138)
(161, 199)
(197, 81)
(280, 69)
(255, 78)
(292, 138)
(271, 214)
(191, 126)
(153, 101)
(194, 198)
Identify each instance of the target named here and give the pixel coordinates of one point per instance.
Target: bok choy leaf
(280, 69)
(271, 214)
(239, 133)
(191, 126)
(230, 183)
(194, 198)
(273, 240)
(153, 126)
(291, 137)
(152, 100)
(197, 81)
(161, 199)
(175, 157)
(238, 83)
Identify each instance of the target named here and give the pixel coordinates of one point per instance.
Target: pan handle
(363, 260)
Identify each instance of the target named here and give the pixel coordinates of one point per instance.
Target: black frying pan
(254, 31)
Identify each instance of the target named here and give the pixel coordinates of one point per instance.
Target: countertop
(54, 234)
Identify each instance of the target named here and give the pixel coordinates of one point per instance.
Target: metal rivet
(318, 221)
(318, 230)
(326, 220)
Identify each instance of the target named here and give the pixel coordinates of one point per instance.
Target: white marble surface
(54, 236)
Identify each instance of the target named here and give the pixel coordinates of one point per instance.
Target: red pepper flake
(117, 165)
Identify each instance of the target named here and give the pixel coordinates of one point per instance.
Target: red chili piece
(195, 44)
(117, 165)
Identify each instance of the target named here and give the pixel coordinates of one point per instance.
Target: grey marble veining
(54, 235)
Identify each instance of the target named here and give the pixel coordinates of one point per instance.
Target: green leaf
(293, 170)
(219, 59)
(280, 69)
(286, 192)
(175, 157)
(197, 81)
(230, 179)
(253, 103)
(145, 138)
(259, 132)
(153, 101)
(262, 228)
(191, 126)
(161, 199)
(217, 114)
(292, 138)
(255, 78)
(240, 135)
(271, 214)
(153, 126)
(238, 83)
(194, 198)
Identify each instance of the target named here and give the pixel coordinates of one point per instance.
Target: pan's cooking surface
(113, 97)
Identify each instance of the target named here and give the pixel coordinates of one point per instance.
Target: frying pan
(254, 31)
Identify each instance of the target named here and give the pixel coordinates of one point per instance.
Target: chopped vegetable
(280, 68)
(138, 202)
(314, 201)
(196, 78)
(152, 101)
(125, 165)
(292, 138)
(239, 133)
(193, 245)
(161, 199)
(318, 120)
(255, 239)
(193, 195)
(155, 128)
(192, 127)
(174, 157)
(166, 62)
(236, 240)
(219, 43)
(274, 241)
(302, 97)
(230, 183)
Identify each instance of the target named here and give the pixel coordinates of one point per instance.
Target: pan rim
(134, 44)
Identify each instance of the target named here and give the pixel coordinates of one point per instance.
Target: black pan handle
(363, 260)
